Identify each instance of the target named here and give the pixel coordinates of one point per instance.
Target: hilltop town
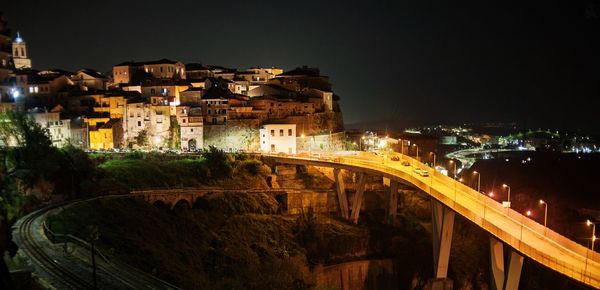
(167, 104)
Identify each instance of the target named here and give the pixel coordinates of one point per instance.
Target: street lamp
(454, 162)
(545, 213)
(401, 146)
(434, 156)
(417, 147)
(506, 203)
(590, 223)
(478, 180)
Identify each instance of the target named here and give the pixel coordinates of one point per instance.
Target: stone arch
(161, 204)
(182, 204)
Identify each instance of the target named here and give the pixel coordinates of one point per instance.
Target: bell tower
(20, 57)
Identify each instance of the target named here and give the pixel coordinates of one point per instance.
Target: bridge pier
(341, 193)
(442, 227)
(504, 275)
(358, 197)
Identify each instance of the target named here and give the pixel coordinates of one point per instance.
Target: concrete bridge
(512, 235)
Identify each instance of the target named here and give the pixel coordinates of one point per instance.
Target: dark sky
(392, 62)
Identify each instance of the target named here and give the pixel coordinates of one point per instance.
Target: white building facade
(278, 138)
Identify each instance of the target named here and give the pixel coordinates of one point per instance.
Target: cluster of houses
(170, 104)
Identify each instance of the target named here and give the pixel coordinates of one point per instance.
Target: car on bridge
(395, 158)
(421, 172)
(405, 163)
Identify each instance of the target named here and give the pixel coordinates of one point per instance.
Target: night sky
(397, 63)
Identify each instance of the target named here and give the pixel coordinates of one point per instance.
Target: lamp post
(528, 213)
(507, 204)
(478, 180)
(434, 157)
(545, 213)
(401, 147)
(590, 223)
(454, 162)
(417, 147)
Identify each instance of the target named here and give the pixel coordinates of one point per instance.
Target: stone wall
(357, 275)
(320, 201)
(233, 136)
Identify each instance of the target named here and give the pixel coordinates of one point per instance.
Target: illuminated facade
(278, 138)
(19, 52)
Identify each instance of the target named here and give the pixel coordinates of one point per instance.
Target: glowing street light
(528, 213)
(491, 194)
(417, 147)
(157, 140)
(545, 213)
(590, 223)
(434, 156)
(478, 180)
(507, 202)
(454, 163)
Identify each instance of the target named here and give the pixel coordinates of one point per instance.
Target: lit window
(272, 133)
(280, 132)
(289, 132)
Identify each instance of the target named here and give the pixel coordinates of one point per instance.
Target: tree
(142, 138)
(174, 141)
(25, 150)
(218, 162)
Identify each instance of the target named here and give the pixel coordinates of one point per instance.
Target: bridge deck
(523, 234)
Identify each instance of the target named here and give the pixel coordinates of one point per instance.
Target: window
(208, 112)
(272, 133)
(22, 51)
(280, 132)
(139, 123)
(214, 120)
(161, 69)
(139, 115)
(289, 132)
(183, 120)
(191, 129)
